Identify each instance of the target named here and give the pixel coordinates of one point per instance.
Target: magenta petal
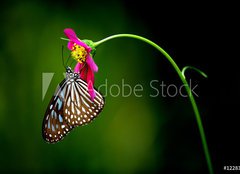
(74, 39)
(90, 81)
(91, 90)
(83, 73)
(78, 67)
(70, 34)
(90, 75)
(70, 45)
(91, 63)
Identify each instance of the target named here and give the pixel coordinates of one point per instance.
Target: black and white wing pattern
(71, 106)
(79, 109)
(54, 126)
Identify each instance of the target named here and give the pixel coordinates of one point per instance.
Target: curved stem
(196, 69)
(179, 72)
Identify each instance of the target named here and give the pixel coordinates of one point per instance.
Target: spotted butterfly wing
(54, 127)
(79, 109)
(71, 106)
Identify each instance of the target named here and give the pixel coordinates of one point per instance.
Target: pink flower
(81, 52)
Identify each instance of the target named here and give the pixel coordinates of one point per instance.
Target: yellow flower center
(79, 53)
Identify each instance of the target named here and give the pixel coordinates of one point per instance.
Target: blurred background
(132, 134)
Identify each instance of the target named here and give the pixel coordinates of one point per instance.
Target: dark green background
(132, 135)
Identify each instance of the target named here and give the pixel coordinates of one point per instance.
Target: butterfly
(71, 106)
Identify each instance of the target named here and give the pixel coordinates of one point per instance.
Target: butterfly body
(70, 107)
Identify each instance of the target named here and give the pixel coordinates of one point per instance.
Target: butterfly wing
(79, 109)
(54, 127)
(71, 106)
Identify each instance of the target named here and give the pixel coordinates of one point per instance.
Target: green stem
(196, 69)
(182, 77)
(64, 38)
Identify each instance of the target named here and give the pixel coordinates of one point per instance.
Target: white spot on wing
(72, 93)
(78, 112)
(68, 102)
(83, 109)
(84, 102)
(72, 108)
(96, 101)
(77, 96)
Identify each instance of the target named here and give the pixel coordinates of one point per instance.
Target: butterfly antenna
(68, 58)
(72, 63)
(65, 64)
(62, 57)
